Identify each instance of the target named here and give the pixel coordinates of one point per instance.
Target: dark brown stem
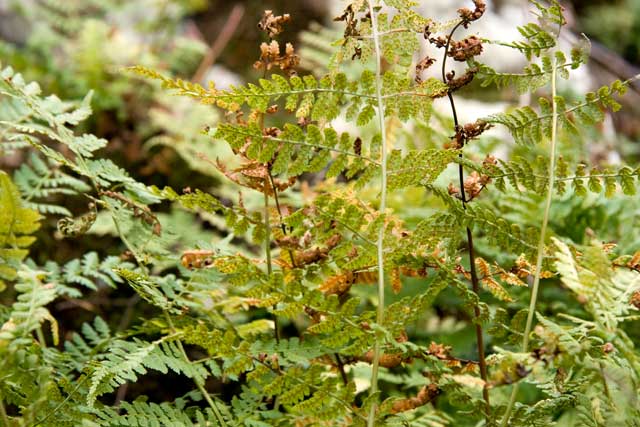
(471, 249)
(343, 374)
(277, 201)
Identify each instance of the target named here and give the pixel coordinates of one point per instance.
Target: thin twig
(343, 374)
(220, 42)
(470, 247)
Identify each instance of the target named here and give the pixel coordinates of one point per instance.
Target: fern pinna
(342, 241)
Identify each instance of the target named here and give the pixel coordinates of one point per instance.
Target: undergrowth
(355, 222)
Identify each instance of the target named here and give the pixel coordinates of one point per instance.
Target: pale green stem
(383, 204)
(199, 384)
(66, 399)
(543, 232)
(3, 413)
(267, 249)
(41, 338)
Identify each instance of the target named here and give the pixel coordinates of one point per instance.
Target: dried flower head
(457, 83)
(270, 57)
(424, 63)
(469, 15)
(465, 49)
(273, 25)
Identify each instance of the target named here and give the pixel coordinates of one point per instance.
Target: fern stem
(383, 205)
(41, 338)
(470, 247)
(543, 232)
(205, 393)
(267, 248)
(58, 406)
(3, 413)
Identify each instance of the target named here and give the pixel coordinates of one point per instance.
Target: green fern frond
(537, 40)
(88, 345)
(89, 272)
(417, 167)
(139, 412)
(29, 310)
(497, 230)
(16, 229)
(294, 150)
(161, 292)
(522, 174)
(318, 99)
(40, 180)
(533, 76)
(607, 295)
(126, 360)
(298, 93)
(529, 128)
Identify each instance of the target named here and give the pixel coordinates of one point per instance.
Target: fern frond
(529, 128)
(41, 180)
(522, 174)
(607, 296)
(126, 360)
(537, 40)
(29, 310)
(139, 412)
(532, 77)
(417, 167)
(299, 93)
(88, 345)
(318, 99)
(90, 272)
(294, 150)
(16, 229)
(161, 292)
(498, 231)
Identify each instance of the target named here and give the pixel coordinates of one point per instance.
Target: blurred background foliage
(73, 46)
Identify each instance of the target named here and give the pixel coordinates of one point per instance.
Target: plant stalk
(267, 248)
(543, 232)
(199, 384)
(482, 363)
(383, 205)
(3, 413)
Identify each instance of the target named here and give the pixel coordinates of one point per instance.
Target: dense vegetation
(313, 248)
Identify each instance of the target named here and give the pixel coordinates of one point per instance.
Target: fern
(144, 413)
(528, 127)
(521, 175)
(537, 40)
(607, 295)
(293, 218)
(41, 181)
(18, 223)
(127, 360)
